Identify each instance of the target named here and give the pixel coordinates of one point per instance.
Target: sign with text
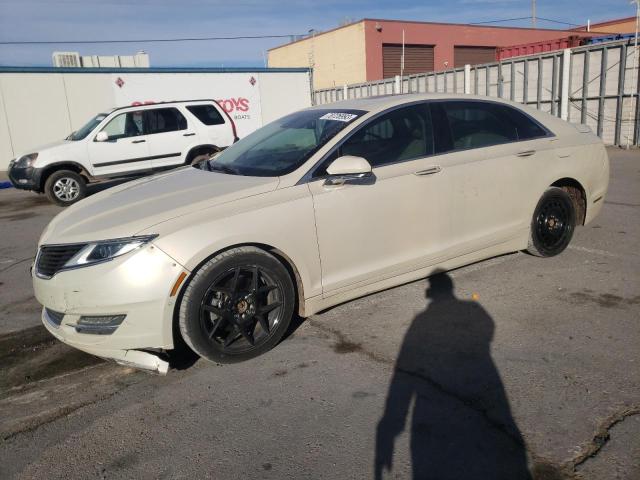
(235, 92)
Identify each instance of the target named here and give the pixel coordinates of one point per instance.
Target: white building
(74, 59)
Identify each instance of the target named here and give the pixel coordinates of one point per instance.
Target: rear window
(207, 114)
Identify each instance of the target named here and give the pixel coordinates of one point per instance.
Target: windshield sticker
(338, 117)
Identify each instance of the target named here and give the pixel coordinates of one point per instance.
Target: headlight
(26, 161)
(106, 250)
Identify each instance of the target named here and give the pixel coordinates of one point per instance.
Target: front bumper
(137, 285)
(25, 178)
(130, 358)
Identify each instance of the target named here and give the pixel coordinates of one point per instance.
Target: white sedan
(316, 208)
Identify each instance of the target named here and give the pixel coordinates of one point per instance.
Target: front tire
(553, 223)
(237, 306)
(65, 188)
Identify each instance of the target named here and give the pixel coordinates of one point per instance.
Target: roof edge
(14, 69)
(424, 23)
(605, 23)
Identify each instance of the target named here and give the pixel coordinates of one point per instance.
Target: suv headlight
(26, 161)
(98, 252)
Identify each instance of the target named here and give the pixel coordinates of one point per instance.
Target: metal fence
(592, 84)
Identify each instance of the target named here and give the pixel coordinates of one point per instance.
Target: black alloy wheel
(553, 223)
(241, 308)
(237, 306)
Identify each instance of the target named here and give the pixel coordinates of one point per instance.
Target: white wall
(282, 93)
(41, 107)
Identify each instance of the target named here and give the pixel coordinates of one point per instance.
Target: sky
(57, 20)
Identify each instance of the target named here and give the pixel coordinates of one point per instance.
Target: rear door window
(479, 124)
(207, 114)
(162, 120)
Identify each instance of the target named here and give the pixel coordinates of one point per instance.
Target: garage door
(473, 55)
(417, 59)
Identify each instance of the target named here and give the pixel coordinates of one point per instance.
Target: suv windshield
(88, 127)
(284, 145)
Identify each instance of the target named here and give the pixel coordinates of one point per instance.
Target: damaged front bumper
(121, 309)
(144, 360)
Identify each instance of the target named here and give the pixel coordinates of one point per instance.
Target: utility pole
(533, 13)
(312, 52)
(402, 62)
(634, 82)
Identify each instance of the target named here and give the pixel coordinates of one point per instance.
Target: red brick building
(371, 49)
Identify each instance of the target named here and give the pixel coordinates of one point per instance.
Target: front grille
(51, 258)
(54, 317)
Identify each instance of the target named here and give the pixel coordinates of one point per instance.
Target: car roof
(156, 104)
(382, 102)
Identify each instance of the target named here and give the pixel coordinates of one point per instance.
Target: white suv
(127, 141)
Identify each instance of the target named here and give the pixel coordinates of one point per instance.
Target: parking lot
(373, 385)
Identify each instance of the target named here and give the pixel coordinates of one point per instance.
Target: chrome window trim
(308, 177)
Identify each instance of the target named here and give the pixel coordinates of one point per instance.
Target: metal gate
(417, 59)
(593, 84)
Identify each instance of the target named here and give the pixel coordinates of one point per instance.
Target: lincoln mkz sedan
(317, 208)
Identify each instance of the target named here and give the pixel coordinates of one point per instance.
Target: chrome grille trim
(52, 258)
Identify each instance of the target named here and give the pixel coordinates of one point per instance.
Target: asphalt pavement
(515, 367)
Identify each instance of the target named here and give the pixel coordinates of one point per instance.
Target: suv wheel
(65, 188)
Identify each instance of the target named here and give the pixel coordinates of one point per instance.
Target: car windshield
(284, 145)
(88, 127)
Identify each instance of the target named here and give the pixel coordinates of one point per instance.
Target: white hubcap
(66, 189)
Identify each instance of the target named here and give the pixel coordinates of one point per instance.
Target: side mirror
(349, 169)
(102, 136)
(349, 165)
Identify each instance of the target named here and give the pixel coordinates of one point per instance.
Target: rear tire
(65, 188)
(237, 306)
(553, 223)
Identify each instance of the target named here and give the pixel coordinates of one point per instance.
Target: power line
(530, 17)
(245, 37)
(501, 21)
(144, 40)
(558, 21)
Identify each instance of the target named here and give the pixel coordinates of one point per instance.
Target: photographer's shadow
(461, 425)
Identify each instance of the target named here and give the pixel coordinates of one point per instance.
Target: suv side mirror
(102, 136)
(348, 169)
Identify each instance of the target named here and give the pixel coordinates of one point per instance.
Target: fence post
(398, 85)
(564, 86)
(345, 92)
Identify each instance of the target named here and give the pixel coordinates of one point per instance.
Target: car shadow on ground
(93, 188)
(461, 424)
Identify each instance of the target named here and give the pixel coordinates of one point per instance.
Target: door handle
(429, 171)
(188, 134)
(526, 153)
(138, 141)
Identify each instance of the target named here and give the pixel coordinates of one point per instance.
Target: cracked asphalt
(515, 367)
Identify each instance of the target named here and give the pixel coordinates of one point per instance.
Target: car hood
(132, 207)
(47, 148)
